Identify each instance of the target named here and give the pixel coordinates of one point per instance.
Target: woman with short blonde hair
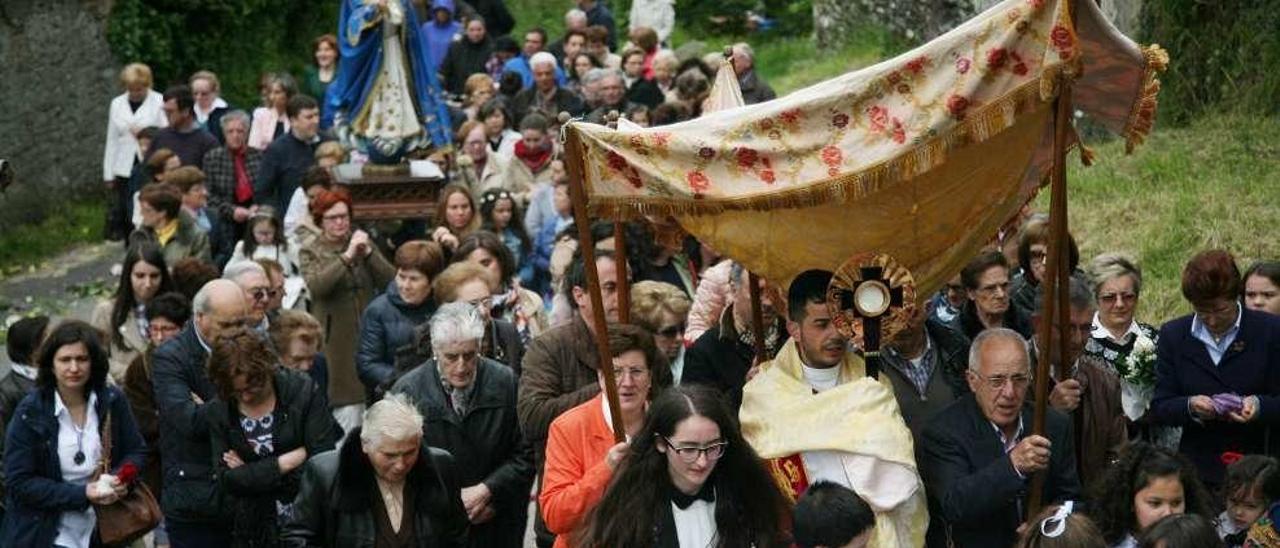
(138, 108)
(662, 309)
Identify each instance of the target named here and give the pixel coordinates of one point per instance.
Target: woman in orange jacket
(581, 453)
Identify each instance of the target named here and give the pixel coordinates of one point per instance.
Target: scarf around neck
(534, 159)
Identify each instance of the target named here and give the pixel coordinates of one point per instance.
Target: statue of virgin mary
(385, 100)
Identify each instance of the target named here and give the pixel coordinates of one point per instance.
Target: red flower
(899, 133)
(747, 157)
(879, 117)
(917, 65)
(956, 105)
(616, 161)
(634, 178)
(832, 155)
(638, 144)
(962, 65)
(894, 78)
(1230, 457)
(1061, 37)
(1036, 4)
(996, 58)
(706, 153)
(764, 160)
(697, 181)
(661, 139)
(1020, 69)
(127, 473)
(767, 176)
(840, 120)
(791, 116)
(766, 124)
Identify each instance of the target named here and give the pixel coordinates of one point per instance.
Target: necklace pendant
(79, 458)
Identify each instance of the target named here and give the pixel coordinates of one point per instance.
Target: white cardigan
(122, 146)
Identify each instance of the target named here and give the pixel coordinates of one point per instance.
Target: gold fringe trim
(1143, 116)
(977, 127)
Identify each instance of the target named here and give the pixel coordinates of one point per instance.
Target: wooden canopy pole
(757, 317)
(624, 281)
(1055, 286)
(578, 196)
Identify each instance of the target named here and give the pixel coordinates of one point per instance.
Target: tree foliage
(237, 39)
(1225, 55)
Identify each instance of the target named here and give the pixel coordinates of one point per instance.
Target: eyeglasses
(690, 455)
(997, 382)
(1112, 298)
(672, 331)
(263, 294)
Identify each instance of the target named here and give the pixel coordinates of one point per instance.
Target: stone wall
(57, 78)
(918, 21)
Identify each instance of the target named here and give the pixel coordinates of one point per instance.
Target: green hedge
(237, 39)
(1224, 55)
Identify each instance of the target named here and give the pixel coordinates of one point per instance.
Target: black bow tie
(682, 501)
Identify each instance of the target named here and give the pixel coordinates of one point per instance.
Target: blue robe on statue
(361, 79)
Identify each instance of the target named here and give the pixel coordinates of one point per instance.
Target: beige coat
(120, 356)
(339, 294)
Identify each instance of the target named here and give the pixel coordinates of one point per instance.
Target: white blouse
(75, 527)
(695, 525)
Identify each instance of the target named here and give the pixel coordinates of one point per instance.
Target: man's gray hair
(572, 15)
(238, 269)
(542, 58)
(393, 418)
(454, 323)
(236, 116)
(200, 303)
(987, 335)
(744, 49)
(614, 73)
(594, 75)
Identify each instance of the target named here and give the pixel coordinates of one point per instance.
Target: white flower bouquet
(1138, 377)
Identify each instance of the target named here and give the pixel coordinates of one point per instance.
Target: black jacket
(463, 59)
(250, 492)
(284, 163)
(333, 507)
(960, 331)
(190, 492)
(646, 92)
(13, 387)
(387, 324)
(565, 101)
(486, 442)
(973, 488)
(37, 495)
(719, 359)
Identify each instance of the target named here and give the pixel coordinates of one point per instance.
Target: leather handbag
(133, 515)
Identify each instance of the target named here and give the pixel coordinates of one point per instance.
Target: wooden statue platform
(380, 193)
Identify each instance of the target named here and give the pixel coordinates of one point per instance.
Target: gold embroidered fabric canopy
(922, 157)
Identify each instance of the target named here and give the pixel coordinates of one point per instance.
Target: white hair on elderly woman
(454, 323)
(393, 418)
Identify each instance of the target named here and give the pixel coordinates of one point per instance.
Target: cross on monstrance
(868, 297)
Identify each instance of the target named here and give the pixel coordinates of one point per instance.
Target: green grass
(1213, 184)
(22, 247)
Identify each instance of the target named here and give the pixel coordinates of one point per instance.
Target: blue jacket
(520, 65)
(36, 494)
(386, 325)
(439, 36)
(1250, 367)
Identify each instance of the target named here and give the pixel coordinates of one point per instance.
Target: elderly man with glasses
(978, 454)
(253, 280)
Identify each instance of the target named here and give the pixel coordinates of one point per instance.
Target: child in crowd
(830, 515)
(264, 239)
(501, 215)
(1060, 526)
(1180, 531)
(1245, 497)
(1146, 484)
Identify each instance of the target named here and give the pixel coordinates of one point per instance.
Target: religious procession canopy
(922, 157)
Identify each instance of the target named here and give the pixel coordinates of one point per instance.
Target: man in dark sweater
(289, 156)
(184, 136)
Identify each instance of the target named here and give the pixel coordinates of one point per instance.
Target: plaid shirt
(220, 177)
(919, 376)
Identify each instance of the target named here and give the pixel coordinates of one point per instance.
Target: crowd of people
(279, 373)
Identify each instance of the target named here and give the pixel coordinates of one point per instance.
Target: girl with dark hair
(1181, 531)
(123, 318)
(1146, 484)
(500, 214)
(689, 480)
(1262, 287)
(1245, 495)
(511, 301)
(581, 455)
(56, 442)
(497, 120)
(264, 238)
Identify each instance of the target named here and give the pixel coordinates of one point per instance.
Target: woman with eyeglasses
(511, 301)
(581, 455)
(1033, 252)
(689, 480)
(343, 271)
(1117, 283)
(123, 319)
(55, 444)
(1216, 369)
(267, 421)
(662, 308)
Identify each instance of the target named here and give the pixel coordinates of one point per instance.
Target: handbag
(133, 515)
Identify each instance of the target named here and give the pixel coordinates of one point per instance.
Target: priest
(814, 415)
